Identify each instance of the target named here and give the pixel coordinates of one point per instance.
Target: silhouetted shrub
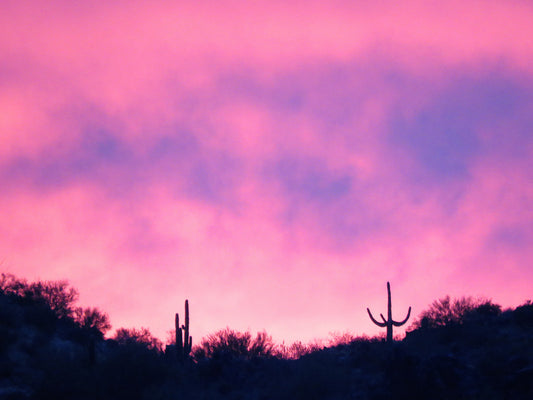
(447, 311)
(523, 314)
(228, 343)
(294, 351)
(93, 320)
(488, 309)
(58, 295)
(137, 337)
(11, 285)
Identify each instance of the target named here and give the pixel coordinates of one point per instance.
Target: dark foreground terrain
(50, 349)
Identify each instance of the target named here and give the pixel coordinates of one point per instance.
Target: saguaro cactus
(389, 322)
(183, 339)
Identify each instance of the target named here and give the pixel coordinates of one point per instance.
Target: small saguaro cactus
(389, 323)
(183, 339)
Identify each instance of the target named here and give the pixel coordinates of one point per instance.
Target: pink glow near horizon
(274, 163)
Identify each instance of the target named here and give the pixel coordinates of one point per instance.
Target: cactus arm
(380, 324)
(389, 323)
(404, 321)
(179, 342)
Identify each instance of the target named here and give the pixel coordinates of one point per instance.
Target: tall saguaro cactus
(389, 322)
(183, 338)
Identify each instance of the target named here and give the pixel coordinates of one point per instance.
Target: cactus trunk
(186, 348)
(389, 322)
(179, 340)
(389, 315)
(183, 338)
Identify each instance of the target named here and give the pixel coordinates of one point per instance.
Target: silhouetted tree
(339, 339)
(261, 346)
(230, 343)
(486, 309)
(296, 350)
(447, 311)
(133, 336)
(92, 319)
(523, 314)
(58, 295)
(11, 285)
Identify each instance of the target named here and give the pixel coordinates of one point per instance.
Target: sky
(274, 162)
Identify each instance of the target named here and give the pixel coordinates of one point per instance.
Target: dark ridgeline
(389, 322)
(457, 349)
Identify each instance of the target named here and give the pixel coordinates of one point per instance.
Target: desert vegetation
(462, 348)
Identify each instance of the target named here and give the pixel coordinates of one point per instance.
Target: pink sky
(276, 162)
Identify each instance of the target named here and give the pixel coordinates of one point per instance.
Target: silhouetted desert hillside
(456, 349)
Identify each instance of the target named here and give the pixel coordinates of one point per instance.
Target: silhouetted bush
(93, 320)
(137, 337)
(447, 311)
(58, 295)
(295, 350)
(228, 343)
(488, 309)
(523, 314)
